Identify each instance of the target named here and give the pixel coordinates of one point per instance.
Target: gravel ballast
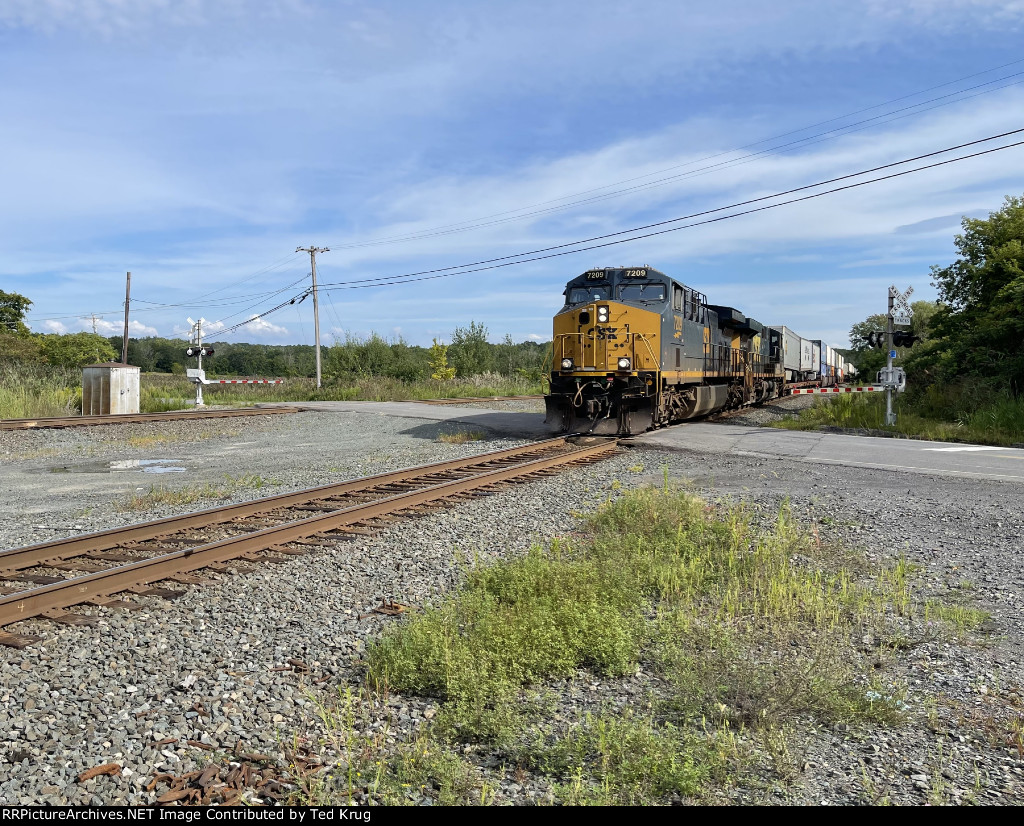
(212, 667)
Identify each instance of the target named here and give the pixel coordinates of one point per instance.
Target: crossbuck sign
(901, 311)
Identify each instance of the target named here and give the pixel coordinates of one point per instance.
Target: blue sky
(197, 143)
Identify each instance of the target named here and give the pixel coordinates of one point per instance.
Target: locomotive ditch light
(602, 314)
(624, 364)
(567, 364)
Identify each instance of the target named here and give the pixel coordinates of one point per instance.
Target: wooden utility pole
(316, 305)
(124, 338)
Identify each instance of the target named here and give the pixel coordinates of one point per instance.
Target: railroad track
(477, 399)
(109, 567)
(128, 418)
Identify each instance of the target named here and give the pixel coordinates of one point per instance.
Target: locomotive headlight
(602, 314)
(567, 364)
(624, 364)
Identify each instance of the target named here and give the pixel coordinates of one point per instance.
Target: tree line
(469, 353)
(971, 345)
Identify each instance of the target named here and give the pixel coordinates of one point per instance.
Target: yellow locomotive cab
(633, 349)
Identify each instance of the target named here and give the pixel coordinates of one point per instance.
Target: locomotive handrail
(643, 338)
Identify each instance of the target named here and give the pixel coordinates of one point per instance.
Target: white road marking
(960, 449)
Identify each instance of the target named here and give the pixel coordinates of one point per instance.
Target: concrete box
(110, 388)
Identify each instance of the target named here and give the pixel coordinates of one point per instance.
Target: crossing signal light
(192, 352)
(904, 339)
(876, 338)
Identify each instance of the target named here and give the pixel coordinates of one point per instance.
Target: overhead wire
(689, 226)
(385, 279)
(531, 211)
(559, 251)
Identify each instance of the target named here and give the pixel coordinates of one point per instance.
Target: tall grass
(162, 391)
(940, 414)
(35, 392)
(752, 630)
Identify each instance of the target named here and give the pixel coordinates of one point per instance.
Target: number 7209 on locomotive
(634, 349)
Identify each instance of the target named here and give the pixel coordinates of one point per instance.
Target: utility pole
(94, 324)
(890, 328)
(124, 338)
(197, 339)
(316, 306)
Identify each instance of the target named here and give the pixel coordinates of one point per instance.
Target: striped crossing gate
(867, 388)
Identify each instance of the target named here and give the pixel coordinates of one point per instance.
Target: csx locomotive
(635, 349)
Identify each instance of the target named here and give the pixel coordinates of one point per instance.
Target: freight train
(635, 349)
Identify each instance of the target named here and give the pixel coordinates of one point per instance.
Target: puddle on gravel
(122, 465)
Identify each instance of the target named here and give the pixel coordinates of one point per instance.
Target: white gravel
(201, 668)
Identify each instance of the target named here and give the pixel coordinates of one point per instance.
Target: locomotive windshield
(595, 292)
(642, 292)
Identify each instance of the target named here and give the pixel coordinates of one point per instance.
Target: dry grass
(461, 437)
(163, 496)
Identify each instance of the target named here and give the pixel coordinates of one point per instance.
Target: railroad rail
(128, 418)
(475, 399)
(45, 580)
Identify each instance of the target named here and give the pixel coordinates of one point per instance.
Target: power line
(520, 213)
(386, 279)
(563, 252)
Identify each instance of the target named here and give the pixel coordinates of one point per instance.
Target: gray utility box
(110, 388)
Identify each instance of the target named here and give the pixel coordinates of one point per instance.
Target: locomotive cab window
(594, 292)
(642, 292)
(677, 298)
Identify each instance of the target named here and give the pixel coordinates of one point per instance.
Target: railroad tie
(67, 618)
(35, 579)
(113, 602)
(189, 579)
(110, 556)
(284, 549)
(17, 640)
(154, 591)
(89, 566)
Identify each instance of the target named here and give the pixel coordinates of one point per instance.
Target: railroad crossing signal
(195, 351)
(901, 311)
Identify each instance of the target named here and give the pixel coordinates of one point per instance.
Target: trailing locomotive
(634, 349)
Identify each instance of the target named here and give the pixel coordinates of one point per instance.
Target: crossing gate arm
(199, 377)
(867, 388)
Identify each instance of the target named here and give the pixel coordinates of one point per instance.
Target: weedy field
(997, 420)
(741, 630)
(38, 391)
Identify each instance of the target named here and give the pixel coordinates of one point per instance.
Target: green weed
(160, 495)
(997, 420)
(461, 437)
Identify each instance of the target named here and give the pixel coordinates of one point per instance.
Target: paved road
(905, 455)
(902, 455)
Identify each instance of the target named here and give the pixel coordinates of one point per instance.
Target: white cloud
(100, 326)
(261, 328)
(137, 328)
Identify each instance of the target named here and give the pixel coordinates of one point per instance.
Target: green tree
(869, 360)
(76, 349)
(16, 349)
(13, 307)
(982, 320)
(439, 369)
(470, 353)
